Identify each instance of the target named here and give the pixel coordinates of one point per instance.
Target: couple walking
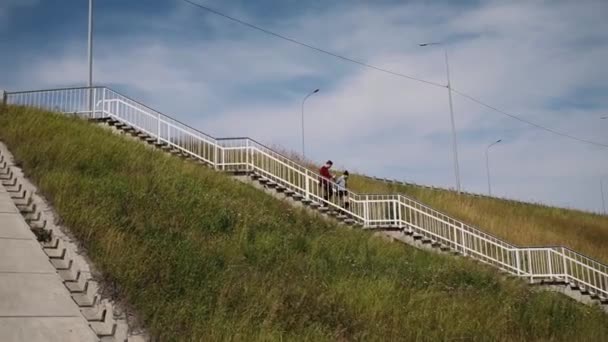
(327, 188)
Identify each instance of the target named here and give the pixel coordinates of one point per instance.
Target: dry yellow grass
(201, 257)
(518, 223)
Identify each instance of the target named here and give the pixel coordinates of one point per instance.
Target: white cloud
(520, 56)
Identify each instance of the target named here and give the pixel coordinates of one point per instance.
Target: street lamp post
(488, 165)
(454, 140)
(307, 96)
(602, 182)
(90, 57)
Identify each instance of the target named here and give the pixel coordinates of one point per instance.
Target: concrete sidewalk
(34, 303)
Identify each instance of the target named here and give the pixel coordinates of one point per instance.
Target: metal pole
(488, 171)
(90, 55)
(454, 142)
(307, 96)
(602, 191)
(488, 165)
(303, 148)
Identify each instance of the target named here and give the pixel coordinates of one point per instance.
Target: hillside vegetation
(203, 257)
(523, 224)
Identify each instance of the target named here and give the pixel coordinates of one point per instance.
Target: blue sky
(543, 60)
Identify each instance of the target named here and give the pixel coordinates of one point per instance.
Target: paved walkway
(34, 303)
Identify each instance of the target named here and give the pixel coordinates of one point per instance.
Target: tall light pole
(488, 165)
(454, 140)
(307, 96)
(90, 53)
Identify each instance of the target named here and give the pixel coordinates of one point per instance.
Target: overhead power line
(351, 60)
(550, 130)
(313, 47)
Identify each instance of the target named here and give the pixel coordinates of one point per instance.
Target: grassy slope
(522, 224)
(202, 257)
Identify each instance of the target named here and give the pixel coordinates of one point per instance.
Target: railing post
(565, 264)
(93, 103)
(307, 186)
(216, 156)
(90, 98)
(464, 241)
(247, 154)
(103, 103)
(366, 212)
(395, 220)
(530, 265)
(517, 261)
(252, 158)
(550, 265)
(158, 128)
(223, 159)
(400, 213)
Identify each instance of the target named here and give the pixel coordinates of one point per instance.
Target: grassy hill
(519, 223)
(203, 257)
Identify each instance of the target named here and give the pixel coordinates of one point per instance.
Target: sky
(541, 60)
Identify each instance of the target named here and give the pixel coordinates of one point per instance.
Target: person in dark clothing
(325, 181)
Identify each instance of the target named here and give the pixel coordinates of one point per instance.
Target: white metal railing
(372, 211)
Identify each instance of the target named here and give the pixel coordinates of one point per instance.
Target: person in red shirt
(325, 181)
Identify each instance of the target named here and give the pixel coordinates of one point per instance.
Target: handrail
(372, 211)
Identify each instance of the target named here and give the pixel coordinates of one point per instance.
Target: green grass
(203, 257)
(524, 224)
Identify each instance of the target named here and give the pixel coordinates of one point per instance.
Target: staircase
(397, 216)
(104, 317)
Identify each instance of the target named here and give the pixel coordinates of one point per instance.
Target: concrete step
(79, 285)
(69, 275)
(321, 209)
(444, 248)
(62, 264)
(95, 313)
(426, 239)
(84, 300)
(55, 253)
(317, 206)
(103, 329)
(107, 326)
(54, 243)
(255, 175)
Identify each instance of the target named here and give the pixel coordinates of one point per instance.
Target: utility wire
(550, 130)
(313, 47)
(479, 102)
